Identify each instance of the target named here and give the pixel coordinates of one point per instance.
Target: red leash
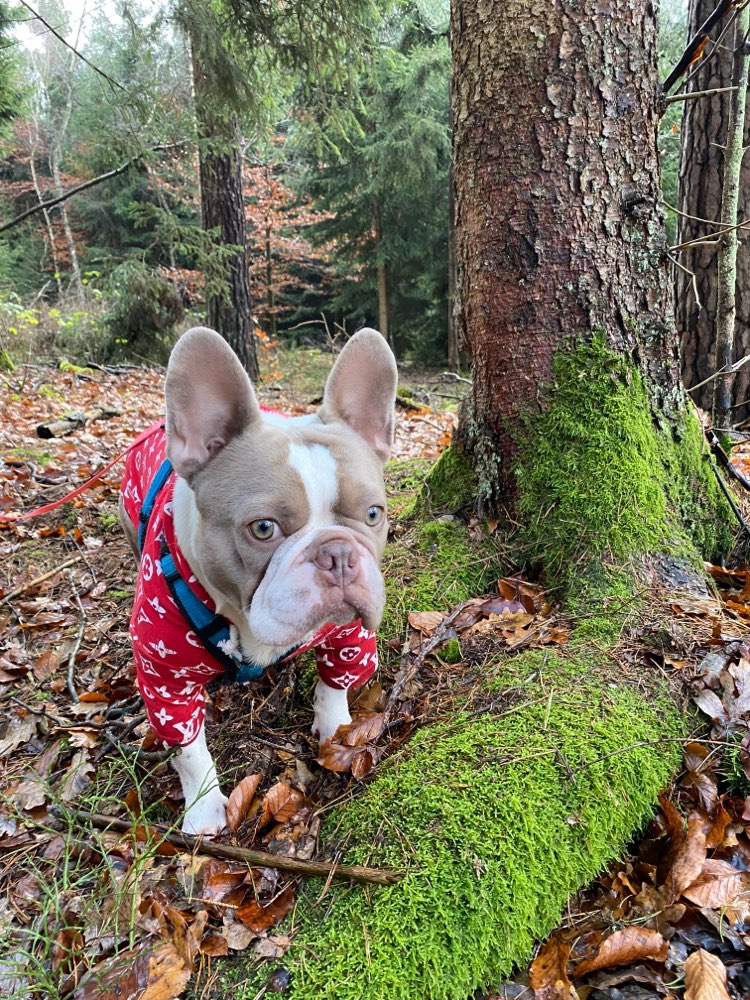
(85, 486)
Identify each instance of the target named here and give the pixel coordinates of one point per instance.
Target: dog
(258, 536)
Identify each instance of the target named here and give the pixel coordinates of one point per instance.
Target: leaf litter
(134, 916)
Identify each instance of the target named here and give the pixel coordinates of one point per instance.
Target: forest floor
(84, 911)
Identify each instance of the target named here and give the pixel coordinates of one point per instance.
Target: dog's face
(283, 519)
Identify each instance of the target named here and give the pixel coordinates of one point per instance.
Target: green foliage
(382, 168)
(143, 310)
(11, 91)
(597, 479)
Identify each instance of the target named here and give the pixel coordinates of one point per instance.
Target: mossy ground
(497, 812)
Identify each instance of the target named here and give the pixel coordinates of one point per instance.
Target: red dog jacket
(172, 664)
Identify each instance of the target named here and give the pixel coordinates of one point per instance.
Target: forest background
(346, 178)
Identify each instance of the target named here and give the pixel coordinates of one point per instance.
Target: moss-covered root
(497, 820)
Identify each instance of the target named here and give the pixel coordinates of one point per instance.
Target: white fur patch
(331, 711)
(316, 467)
(206, 805)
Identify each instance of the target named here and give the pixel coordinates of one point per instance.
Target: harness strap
(157, 484)
(212, 629)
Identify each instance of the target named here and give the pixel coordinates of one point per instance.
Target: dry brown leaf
(705, 977)
(548, 976)
(426, 621)
(77, 776)
(365, 728)
(259, 917)
(141, 974)
(631, 944)
(719, 884)
(688, 863)
(282, 803)
(240, 800)
(17, 732)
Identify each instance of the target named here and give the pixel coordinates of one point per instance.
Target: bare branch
(46, 205)
(81, 56)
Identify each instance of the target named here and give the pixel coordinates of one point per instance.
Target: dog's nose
(339, 561)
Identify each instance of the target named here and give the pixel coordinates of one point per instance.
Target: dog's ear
(209, 399)
(361, 390)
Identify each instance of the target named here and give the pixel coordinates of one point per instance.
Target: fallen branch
(320, 869)
(39, 579)
(70, 422)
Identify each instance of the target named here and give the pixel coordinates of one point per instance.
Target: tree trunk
(704, 130)
(726, 305)
(557, 205)
(228, 302)
(454, 339)
(383, 310)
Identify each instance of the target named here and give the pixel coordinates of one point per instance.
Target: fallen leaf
(282, 803)
(240, 800)
(77, 776)
(426, 622)
(719, 884)
(548, 976)
(17, 732)
(705, 977)
(259, 917)
(631, 944)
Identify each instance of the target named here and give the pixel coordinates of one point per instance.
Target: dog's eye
(374, 516)
(263, 529)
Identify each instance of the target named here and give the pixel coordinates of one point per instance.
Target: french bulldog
(258, 536)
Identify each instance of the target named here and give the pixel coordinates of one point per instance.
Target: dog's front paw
(207, 815)
(331, 711)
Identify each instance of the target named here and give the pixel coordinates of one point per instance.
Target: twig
(730, 499)
(138, 754)
(320, 869)
(40, 579)
(695, 94)
(722, 371)
(72, 662)
(455, 377)
(724, 460)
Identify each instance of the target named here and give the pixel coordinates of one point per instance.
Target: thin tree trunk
(726, 308)
(558, 225)
(229, 308)
(383, 310)
(45, 213)
(703, 134)
(454, 359)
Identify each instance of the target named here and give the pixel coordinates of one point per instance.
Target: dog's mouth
(280, 628)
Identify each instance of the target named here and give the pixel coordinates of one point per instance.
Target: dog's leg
(206, 806)
(331, 710)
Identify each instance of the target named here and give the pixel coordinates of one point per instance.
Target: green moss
(496, 821)
(432, 566)
(597, 477)
(737, 780)
(451, 652)
(449, 487)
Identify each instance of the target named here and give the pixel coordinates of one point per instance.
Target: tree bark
(383, 310)
(726, 307)
(704, 130)
(228, 306)
(559, 230)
